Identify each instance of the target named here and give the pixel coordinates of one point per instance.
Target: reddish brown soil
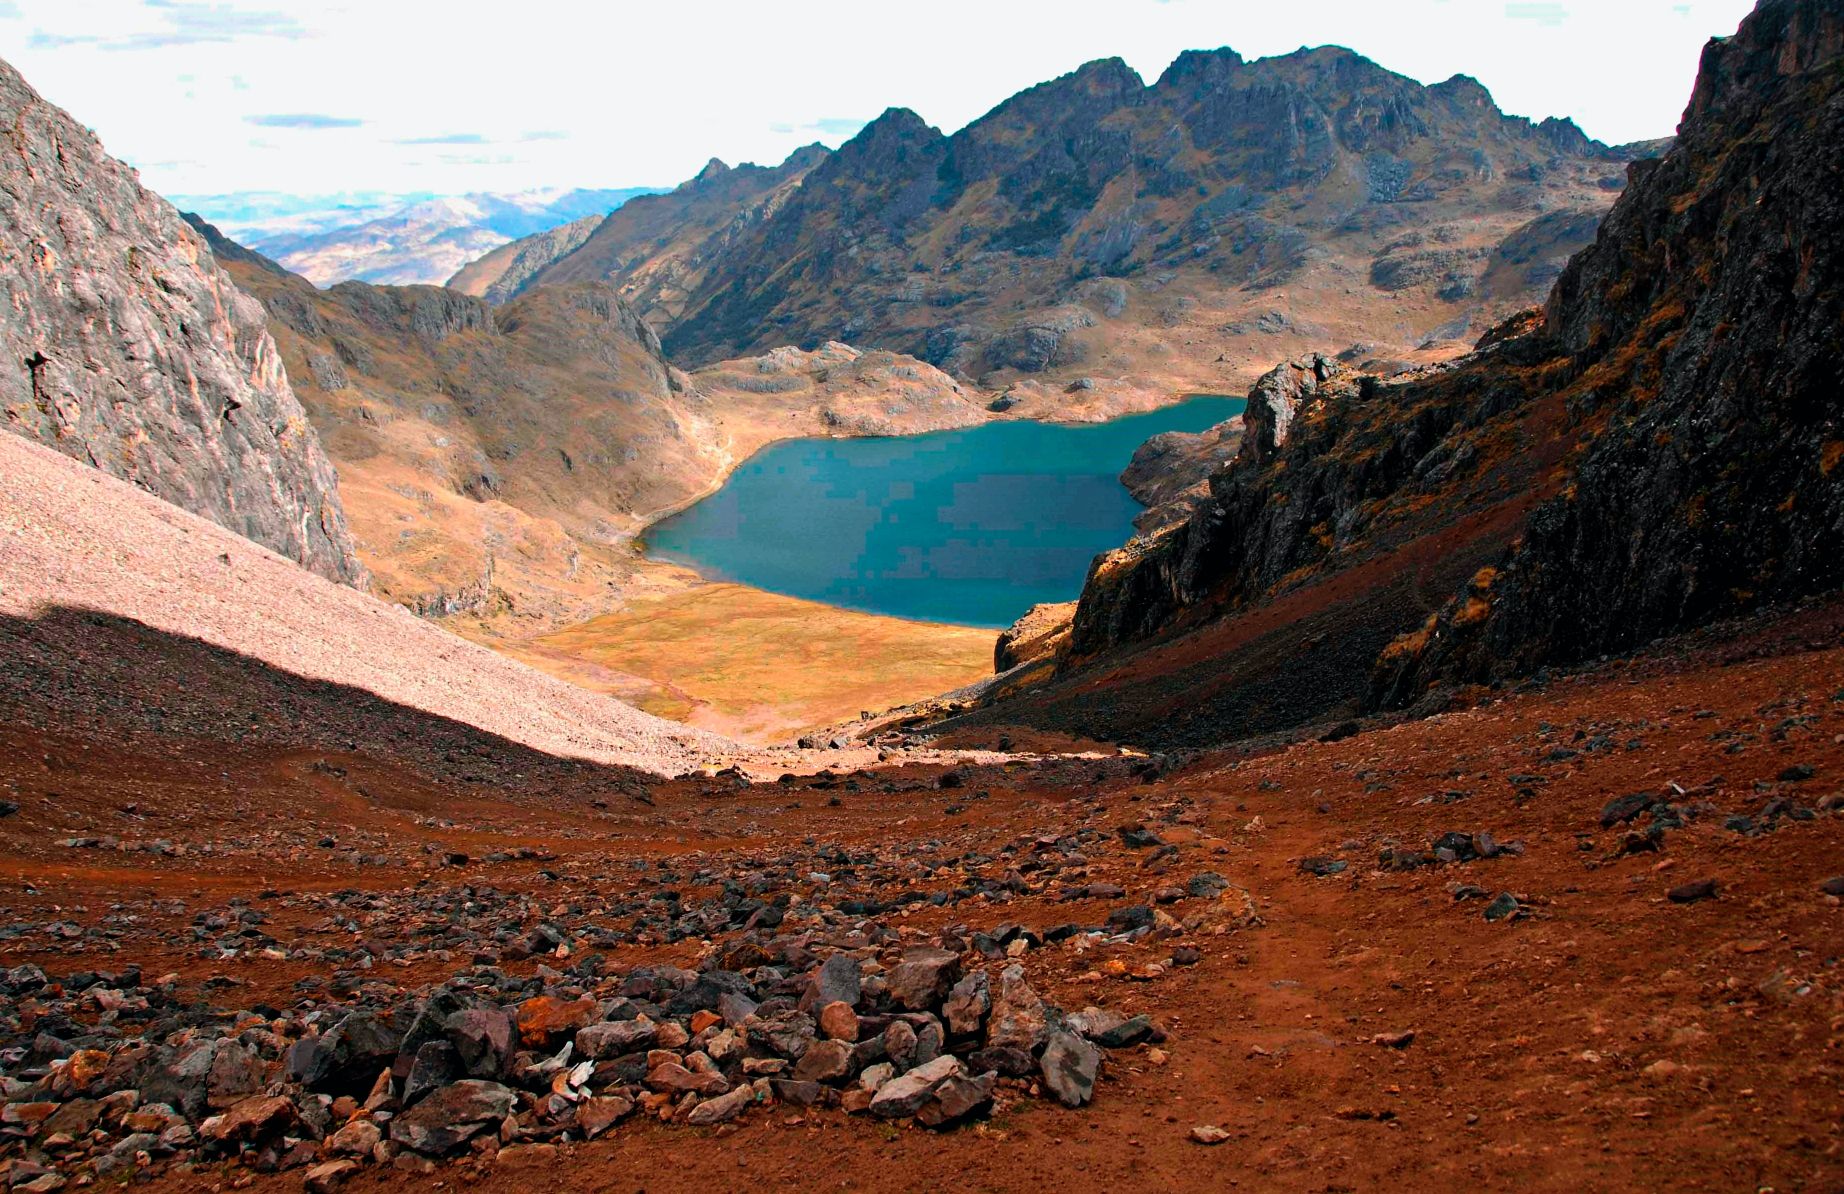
(1610, 1040)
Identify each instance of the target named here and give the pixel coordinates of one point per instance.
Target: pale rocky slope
(127, 347)
(73, 538)
(503, 273)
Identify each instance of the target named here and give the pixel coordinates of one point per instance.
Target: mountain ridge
(1142, 238)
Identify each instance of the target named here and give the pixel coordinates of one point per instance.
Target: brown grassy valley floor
(758, 666)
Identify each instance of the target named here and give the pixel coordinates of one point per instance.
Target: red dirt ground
(1611, 1039)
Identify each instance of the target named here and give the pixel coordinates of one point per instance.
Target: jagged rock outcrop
(1042, 633)
(1170, 473)
(126, 346)
(1277, 399)
(1352, 466)
(1707, 325)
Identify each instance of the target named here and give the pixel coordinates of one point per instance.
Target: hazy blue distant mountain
(393, 238)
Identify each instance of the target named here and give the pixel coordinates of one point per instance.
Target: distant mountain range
(395, 239)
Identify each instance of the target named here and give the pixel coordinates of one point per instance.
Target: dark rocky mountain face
(660, 248)
(1095, 225)
(1706, 326)
(1655, 449)
(127, 346)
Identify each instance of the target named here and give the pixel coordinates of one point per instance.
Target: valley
(971, 527)
(757, 666)
(1278, 627)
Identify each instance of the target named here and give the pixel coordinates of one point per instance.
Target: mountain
(127, 347)
(405, 241)
(504, 272)
(1151, 239)
(1652, 451)
(662, 248)
(484, 452)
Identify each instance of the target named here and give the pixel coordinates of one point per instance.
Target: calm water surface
(972, 526)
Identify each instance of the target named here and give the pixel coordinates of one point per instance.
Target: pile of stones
(110, 1073)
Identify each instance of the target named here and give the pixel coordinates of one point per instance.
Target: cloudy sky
(314, 96)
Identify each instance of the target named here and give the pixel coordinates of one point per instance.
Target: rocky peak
(1109, 81)
(714, 169)
(806, 157)
(1566, 136)
(1464, 91)
(1196, 70)
(891, 139)
(1780, 41)
(124, 344)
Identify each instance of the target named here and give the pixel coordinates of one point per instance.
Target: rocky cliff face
(1707, 326)
(125, 345)
(1159, 237)
(1334, 469)
(1656, 449)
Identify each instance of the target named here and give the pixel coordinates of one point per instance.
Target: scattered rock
(721, 1109)
(923, 978)
(448, 1118)
(903, 1096)
(1504, 906)
(1018, 1020)
(1070, 1066)
(1690, 893)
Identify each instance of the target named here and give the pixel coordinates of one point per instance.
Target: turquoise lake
(972, 526)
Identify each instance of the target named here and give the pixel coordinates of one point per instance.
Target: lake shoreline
(1077, 470)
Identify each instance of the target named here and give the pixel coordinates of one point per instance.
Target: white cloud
(590, 93)
(1543, 12)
